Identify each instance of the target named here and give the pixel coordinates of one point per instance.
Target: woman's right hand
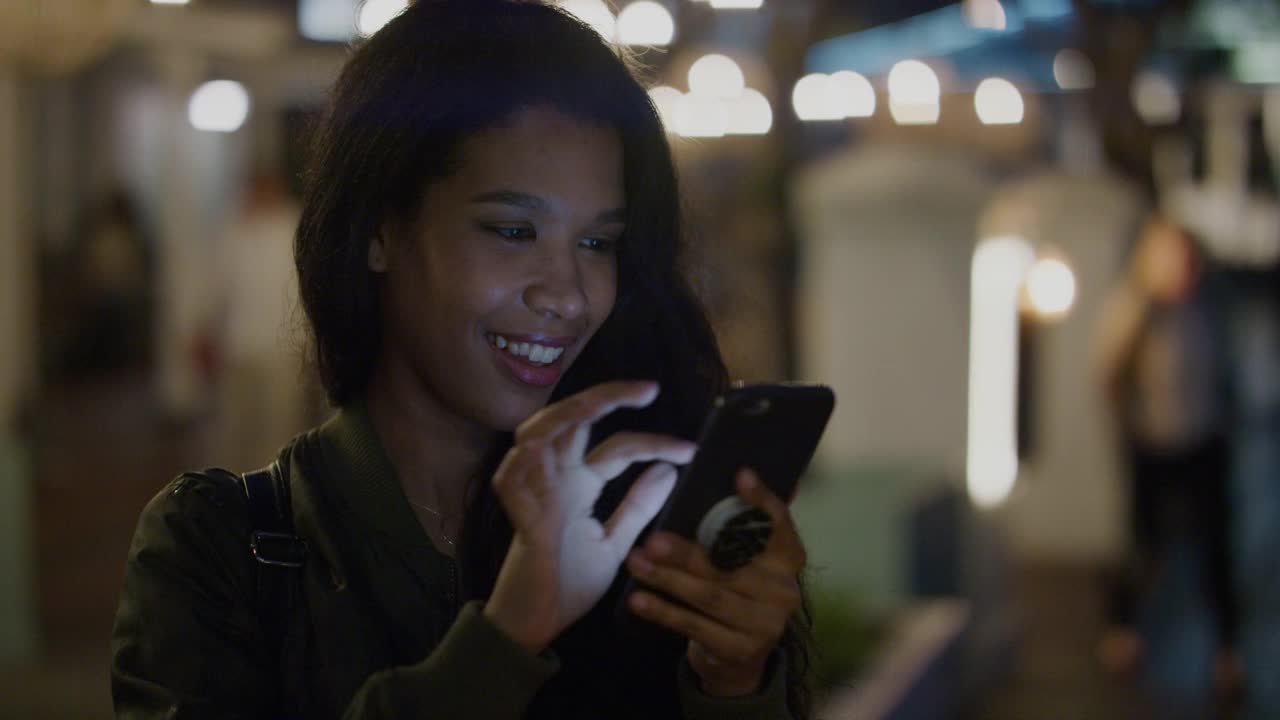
(562, 559)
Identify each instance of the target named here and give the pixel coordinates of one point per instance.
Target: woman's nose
(557, 288)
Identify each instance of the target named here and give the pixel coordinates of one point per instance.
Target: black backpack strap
(280, 556)
(272, 541)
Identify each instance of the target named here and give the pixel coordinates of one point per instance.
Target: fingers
(586, 407)
(785, 550)
(683, 569)
(615, 454)
(736, 616)
(754, 600)
(522, 482)
(726, 643)
(638, 508)
(512, 484)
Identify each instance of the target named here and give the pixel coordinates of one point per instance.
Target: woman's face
(508, 270)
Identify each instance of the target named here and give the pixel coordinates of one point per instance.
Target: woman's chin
(509, 416)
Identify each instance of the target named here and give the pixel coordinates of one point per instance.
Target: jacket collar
(364, 479)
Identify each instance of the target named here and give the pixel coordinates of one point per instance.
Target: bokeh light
(854, 95)
(998, 102)
(594, 13)
(376, 13)
(646, 23)
(716, 75)
(813, 98)
(218, 106)
(914, 93)
(749, 114)
(999, 267)
(1073, 70)
(701, 116)
(1051, 288)
(665, 99)
(1156, 99)
(984, 14)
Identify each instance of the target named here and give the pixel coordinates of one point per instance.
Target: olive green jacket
(385, 634)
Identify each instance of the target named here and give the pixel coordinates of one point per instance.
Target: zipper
(453, 585)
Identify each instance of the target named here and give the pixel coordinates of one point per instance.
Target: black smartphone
(771, 428)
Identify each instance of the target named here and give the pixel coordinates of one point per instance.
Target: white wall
(888, 233)
(1070, 498)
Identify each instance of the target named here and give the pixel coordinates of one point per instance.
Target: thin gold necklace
(440, 517)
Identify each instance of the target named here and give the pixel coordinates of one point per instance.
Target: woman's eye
(514, 233)
(602, 245)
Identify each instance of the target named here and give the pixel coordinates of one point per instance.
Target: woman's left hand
(734, 619)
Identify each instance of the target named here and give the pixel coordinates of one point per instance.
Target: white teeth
(540, 354)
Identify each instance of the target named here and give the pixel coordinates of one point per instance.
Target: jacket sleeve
(475, 672)
(186, 644)
(770, 703)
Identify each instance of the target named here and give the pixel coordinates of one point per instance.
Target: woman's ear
(378, 253)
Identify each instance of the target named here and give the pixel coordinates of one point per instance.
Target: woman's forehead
(545, 157)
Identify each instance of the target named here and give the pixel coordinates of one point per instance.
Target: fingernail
(746, 479)
(639, 601)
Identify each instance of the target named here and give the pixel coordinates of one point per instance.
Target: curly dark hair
(406, 99)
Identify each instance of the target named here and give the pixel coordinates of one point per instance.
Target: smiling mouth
(532, 353)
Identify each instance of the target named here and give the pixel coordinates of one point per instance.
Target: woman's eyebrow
(534, 203)
(524, 201)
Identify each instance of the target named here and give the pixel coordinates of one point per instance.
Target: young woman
(488, 258)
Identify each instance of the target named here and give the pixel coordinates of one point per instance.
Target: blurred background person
(262, 380)
(113, 325)
(1160, 363)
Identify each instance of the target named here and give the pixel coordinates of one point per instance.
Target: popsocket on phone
(734, 532)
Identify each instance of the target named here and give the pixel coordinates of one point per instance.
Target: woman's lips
(537, 375)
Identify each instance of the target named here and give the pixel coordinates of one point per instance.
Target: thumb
(642, 503)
